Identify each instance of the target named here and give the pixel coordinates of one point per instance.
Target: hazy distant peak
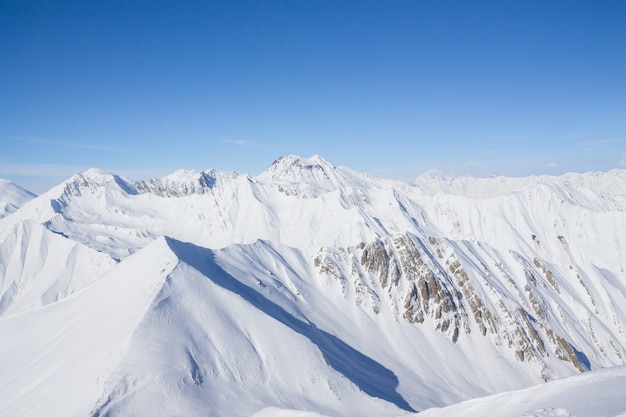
(12, 197)
(94, 178)
(295, 168)
(433, 182)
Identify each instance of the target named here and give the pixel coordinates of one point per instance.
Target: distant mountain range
(312, 290)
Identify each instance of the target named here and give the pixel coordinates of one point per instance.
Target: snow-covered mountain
(308, 287)
(12, 197)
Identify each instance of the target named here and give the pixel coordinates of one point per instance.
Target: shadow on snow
(370, 376)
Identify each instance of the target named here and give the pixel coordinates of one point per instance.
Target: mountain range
(312, 290)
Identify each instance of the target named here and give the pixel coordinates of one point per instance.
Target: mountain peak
(93, 178)
(303, 177)
(291, 166)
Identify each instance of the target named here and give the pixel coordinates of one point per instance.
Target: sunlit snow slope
(308, 287)
(594, 394)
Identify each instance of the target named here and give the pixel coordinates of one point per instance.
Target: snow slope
(238, 353)
(55, 359)
(38, 267)
(595, 394)
(308, 287)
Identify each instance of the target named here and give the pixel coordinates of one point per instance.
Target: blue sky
(393, 88)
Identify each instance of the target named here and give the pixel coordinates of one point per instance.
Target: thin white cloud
(62, 142)
(510, 138)
(39, 170)
(239, 142)
(470, 164)
(623, 160)
(31, 139)
(97, 147)
(601, 142)
(488, 152)
(553, 165)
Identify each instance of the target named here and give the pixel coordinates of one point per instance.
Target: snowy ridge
(55, 347)
(317, 288)
(39, 267)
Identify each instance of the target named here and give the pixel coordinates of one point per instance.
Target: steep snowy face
(12, 197)
(224, 346)
(551, 317)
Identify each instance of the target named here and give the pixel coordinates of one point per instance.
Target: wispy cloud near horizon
(99, 147)
(39, 170)
(601, 142)
(239, 142)
(38, 140)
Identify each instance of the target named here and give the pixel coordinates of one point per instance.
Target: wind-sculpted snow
(310, 288)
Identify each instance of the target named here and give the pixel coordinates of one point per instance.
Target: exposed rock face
(427, 296)
(434, 281)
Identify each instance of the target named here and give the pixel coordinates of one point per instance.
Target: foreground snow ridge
(314, 290)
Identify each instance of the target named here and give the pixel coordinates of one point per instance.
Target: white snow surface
(315, 290)
(594, 394)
